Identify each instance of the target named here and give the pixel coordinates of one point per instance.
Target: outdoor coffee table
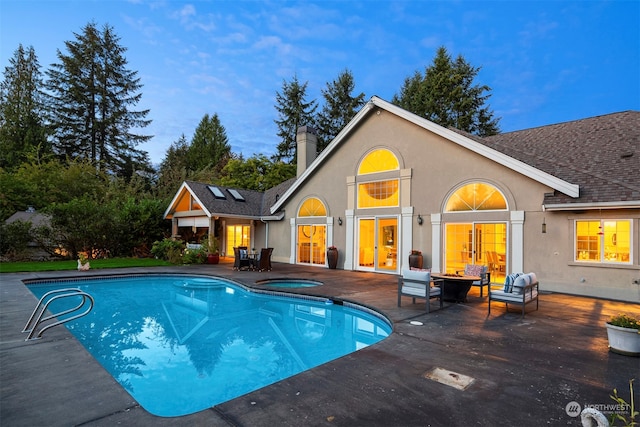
(455, 286)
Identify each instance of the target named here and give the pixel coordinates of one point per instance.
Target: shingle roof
(600, 154)
(256, 203)
(35, 218)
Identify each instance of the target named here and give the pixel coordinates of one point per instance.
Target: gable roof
(474, 144)
(254, 204)
(35, 218)
(601, 154)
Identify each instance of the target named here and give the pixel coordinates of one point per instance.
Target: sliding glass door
(378, 243)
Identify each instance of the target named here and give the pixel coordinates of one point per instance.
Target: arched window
(379, 160)
(378, 193)
(477, 196)
(312, 207)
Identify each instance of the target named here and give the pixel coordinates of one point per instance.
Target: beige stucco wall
(436, 167)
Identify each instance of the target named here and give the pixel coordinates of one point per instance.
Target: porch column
(436, 238)
(292, 241)
(174, 228)
(517, 241)
(349, 256)
(407, 238)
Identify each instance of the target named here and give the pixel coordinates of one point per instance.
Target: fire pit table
(455, 286)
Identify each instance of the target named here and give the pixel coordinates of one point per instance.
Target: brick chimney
(307, 142)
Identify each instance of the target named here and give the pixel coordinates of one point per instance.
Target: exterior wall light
(420, 220)
(339, 221)
(544, 226)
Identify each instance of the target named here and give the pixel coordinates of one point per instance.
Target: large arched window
(378, 193)
(476, 196)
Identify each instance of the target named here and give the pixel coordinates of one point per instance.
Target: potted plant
(332, 257)
(83, 262)
(213, 257)
(415, 259)
(623, 332)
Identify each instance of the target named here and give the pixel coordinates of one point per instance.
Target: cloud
(190, 19)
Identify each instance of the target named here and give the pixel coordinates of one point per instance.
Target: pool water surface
(181, 344)
(289, 283)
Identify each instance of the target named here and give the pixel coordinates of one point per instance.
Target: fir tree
(22, 106)
(209, 146)
(92, 92)
(446, 95)
(338, 109)
(293, 111)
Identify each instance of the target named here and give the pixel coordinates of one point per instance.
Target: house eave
(276, 217)
(631, 204)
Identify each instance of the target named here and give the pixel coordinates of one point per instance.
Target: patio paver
(524, 372)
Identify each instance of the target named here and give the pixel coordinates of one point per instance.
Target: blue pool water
(289, 283)
(181, 344)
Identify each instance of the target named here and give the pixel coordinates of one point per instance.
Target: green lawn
(32, 266)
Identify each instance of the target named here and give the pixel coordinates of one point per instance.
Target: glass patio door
(312, 246)
(476, 243)
(378, 243)
(237, 235)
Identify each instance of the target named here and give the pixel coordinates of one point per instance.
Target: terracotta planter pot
(213, 258)
(623, 340)
(415, 261)
(332, 258)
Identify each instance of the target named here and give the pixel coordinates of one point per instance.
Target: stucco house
(561, 200)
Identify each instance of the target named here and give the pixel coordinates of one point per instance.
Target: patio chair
(241, 260)
(418, 284)
(264, 263)
(478, 270)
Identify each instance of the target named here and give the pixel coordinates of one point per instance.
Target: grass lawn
(32, 266)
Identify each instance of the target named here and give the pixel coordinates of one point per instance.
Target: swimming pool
(289, 283)
(181, 344)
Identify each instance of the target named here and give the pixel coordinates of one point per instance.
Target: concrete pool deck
(522, 372)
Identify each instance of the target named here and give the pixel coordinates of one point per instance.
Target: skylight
(217, 193)
(235, 194)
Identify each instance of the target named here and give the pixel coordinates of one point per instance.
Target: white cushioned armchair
(418, 284)
(519, 289)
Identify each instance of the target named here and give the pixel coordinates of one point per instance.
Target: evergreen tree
(338, 109)
(293, 111)
(174, 167)
(447, 96)
(209, 147)
(22, 128)
(92, 92)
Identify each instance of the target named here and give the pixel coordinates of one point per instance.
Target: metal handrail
(42, 308)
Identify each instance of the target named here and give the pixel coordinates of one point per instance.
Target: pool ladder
(36, 317)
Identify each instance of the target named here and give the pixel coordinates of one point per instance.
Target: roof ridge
(564, 123)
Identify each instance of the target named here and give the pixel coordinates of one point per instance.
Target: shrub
(169, 250)
(195, 256)
(14, 239)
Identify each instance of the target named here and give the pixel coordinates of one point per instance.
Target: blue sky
(545, 61)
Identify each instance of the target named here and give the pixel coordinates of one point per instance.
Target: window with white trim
(604, 241)
(378, 193)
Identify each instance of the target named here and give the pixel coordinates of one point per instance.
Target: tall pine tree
(446, 95)
(209, 146)
(293, 111)
(22, 106)
(92, 92)
(338, 109)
